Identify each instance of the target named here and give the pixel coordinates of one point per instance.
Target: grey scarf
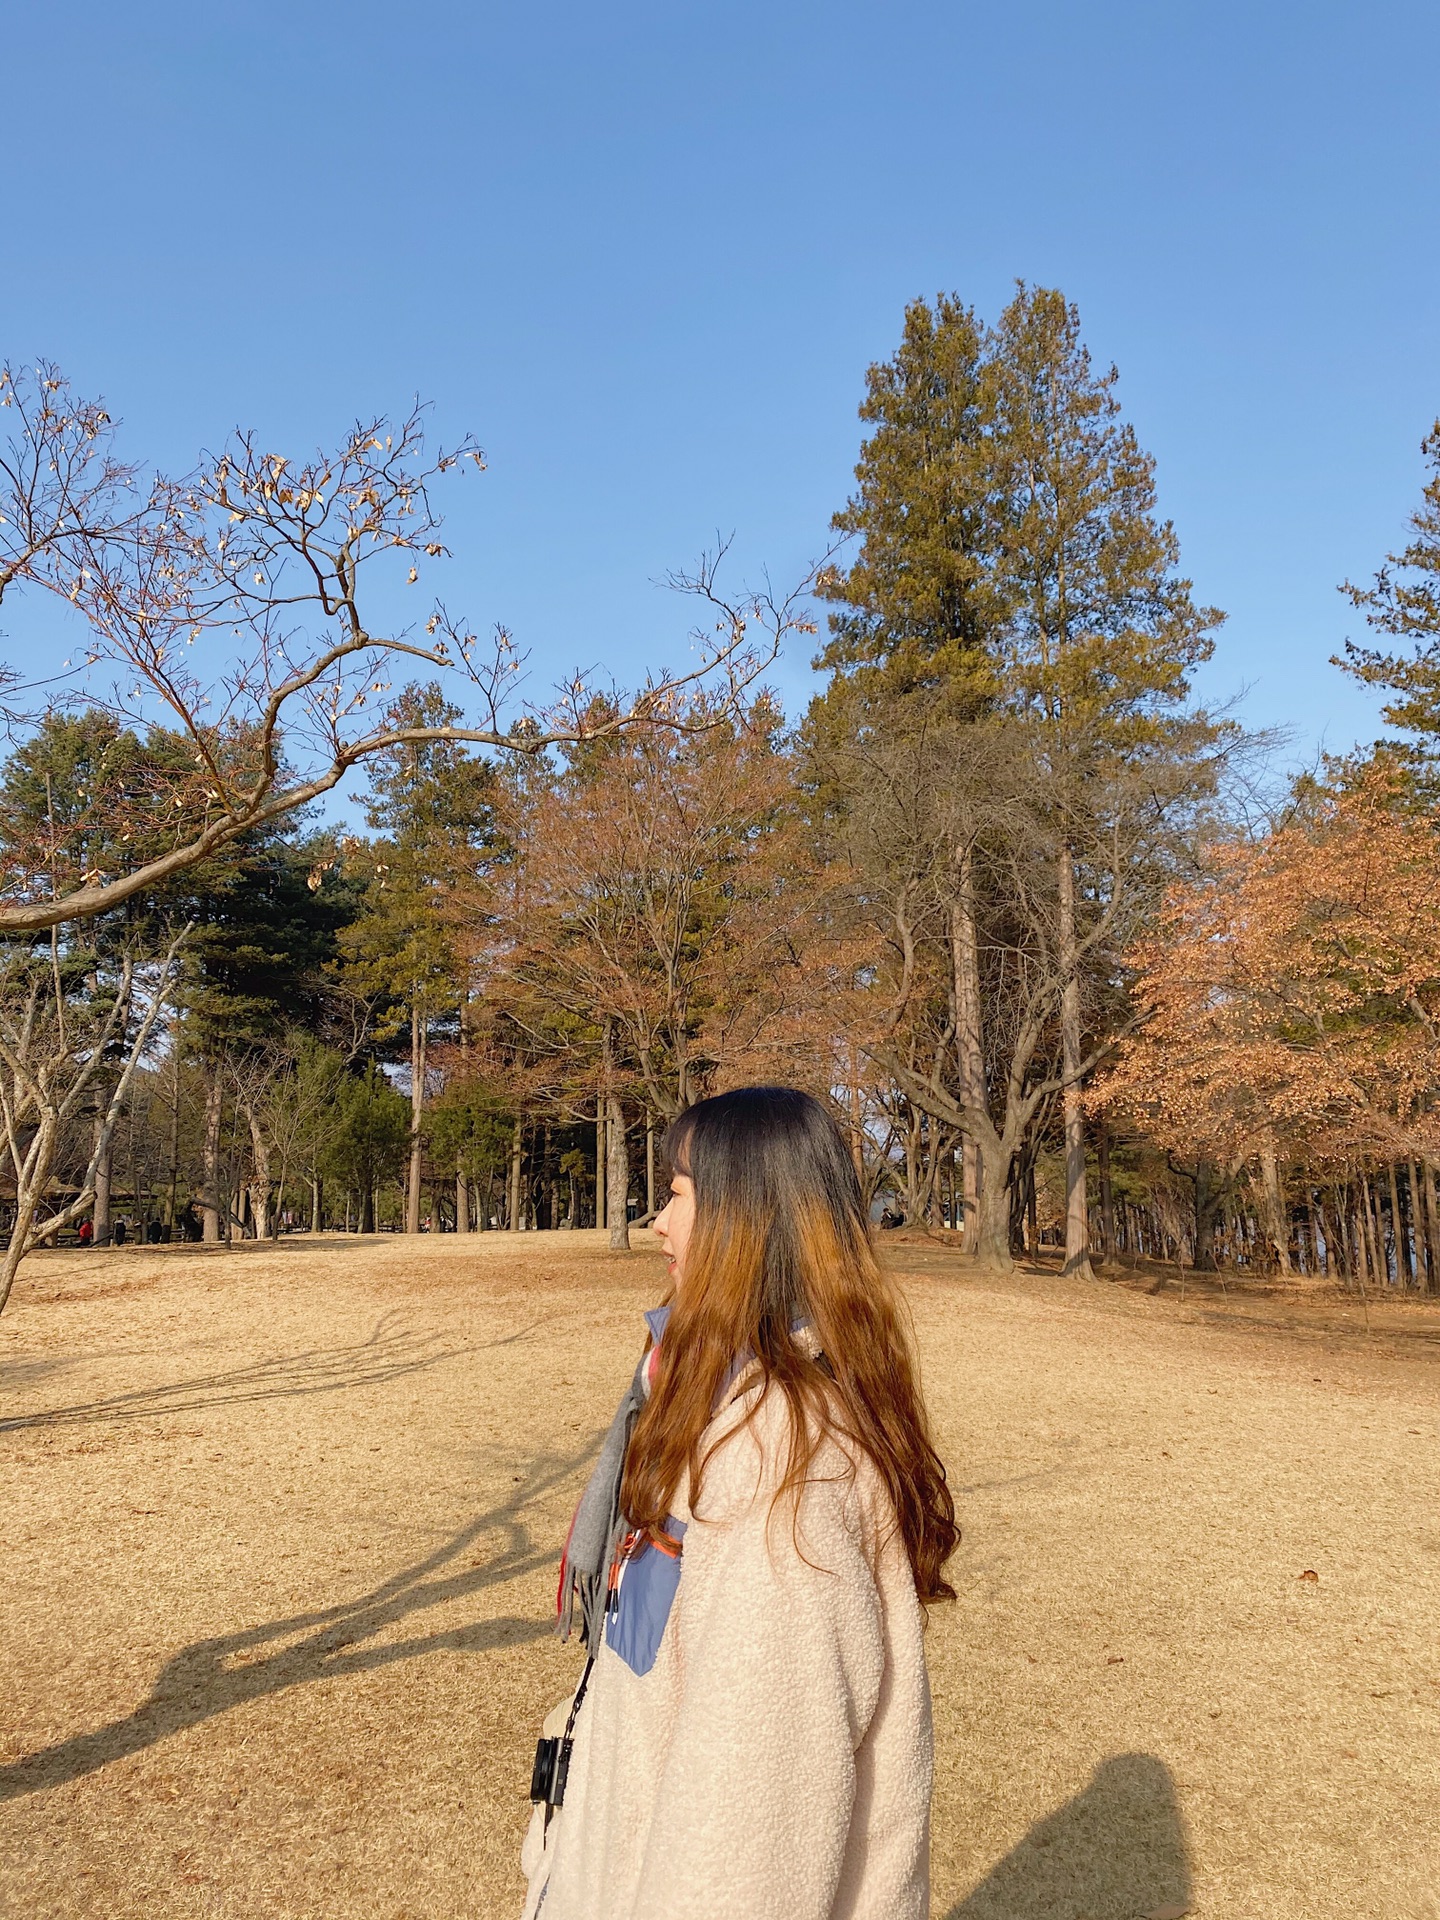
(599, 1525)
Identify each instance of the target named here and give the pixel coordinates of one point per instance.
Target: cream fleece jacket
(775, 1762)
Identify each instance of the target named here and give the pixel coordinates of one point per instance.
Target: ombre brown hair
(781, 1236)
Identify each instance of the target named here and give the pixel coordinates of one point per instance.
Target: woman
(752, 1734)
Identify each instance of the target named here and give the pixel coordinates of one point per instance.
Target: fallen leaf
(1167, 1913)
(1116, 1660)
(1309, 1574)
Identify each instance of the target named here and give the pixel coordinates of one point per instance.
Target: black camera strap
(575, 1704)
(552, 1756)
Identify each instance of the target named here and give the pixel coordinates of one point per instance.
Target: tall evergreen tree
(918, 636)
(1014, 612)
(918, 597)
(1404, 602)
(1101, 637)
(431, 804)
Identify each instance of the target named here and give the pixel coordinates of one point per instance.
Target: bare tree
(58, 1041)
(277, 561)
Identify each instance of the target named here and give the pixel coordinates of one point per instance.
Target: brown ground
(279, 1533)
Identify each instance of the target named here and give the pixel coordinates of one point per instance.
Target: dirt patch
(279, 1531)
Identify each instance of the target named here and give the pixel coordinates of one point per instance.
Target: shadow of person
(212, 1676)
(1114, 1852)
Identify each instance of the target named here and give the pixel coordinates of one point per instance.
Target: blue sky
(646, 253)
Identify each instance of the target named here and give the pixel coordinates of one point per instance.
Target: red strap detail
(565, 1564)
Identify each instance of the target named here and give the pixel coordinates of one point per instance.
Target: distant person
(87, 1232)
(154, 1233)
(117, 1234)
(750, 1738)
(190, 1227)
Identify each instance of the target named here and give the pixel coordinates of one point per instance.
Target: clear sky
(646, 253)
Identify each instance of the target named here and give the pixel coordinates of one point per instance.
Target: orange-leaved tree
(1292, 994)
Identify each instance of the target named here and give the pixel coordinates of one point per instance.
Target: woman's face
(674, 1221)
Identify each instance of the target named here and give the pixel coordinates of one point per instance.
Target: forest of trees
(1072, 968)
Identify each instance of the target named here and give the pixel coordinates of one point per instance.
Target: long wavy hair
(781, 1236)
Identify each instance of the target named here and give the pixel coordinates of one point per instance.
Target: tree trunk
(1019, 1192)
(1379, 1258)
(1077, 1212)
(462, 1201)
(100, 1213)
(969, 1048)
(1276, 1226)
(172, 1201)
(418, 1039)
(1364, 1252)
(1314, 1212)
(1346, 1246)
(214, 1112)
(617, 1178)
(992, 1219)
(260, 1183)
(39, 1158)
(1417, 1237)
(512, 1196)
(367, 1208)
(649, 1164)
(600, 1157)
(997, 1152)
(1107, 1193)
(930, 1185)
(1401, 1233)
(1207, 1206)
(317, 1204)
(912, 1170)
(1432, 1226)
(1332, 1219)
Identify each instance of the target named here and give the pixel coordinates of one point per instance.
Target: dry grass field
(279, 1531)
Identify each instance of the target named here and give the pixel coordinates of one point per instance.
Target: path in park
(279, 1529)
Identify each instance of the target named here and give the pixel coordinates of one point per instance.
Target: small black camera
(552, 1764)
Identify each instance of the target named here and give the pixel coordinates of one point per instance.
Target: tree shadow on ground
(389, 1352)
(213, 1676)
(1115, 1852)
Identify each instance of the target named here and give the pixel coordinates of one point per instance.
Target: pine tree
(918, 597)
(1404, 602)
(1102, 634)
(1014, 617)
(431, 803)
